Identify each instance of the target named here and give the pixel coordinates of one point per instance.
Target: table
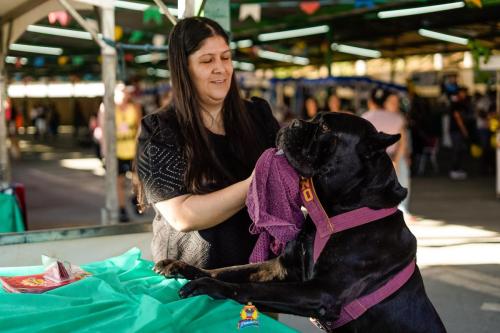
(122, 295)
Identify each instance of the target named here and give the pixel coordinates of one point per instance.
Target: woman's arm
(196, 212)
(402, 148)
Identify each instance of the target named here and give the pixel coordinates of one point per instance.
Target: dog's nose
(295, 123)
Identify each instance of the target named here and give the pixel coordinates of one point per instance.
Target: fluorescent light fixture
(419, 10)
(13, 60)
(36, 49)
(140, 6)
(241, 44)
(282, 57)
(149, 57)
(93, 89)
(356, 50)
(444, 37)
(60, 90)
(244, 66)
(36, 90)
(293, 33)
(159, 72)
(16, 90)
(60, 32)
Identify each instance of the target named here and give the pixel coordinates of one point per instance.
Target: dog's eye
(324, 128)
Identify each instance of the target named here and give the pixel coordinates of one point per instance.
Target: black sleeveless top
(161, 167)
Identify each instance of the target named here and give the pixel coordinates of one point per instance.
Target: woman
(380, 105)
(402, 157)
(195, 157)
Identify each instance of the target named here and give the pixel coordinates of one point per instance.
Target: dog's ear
(377, 143)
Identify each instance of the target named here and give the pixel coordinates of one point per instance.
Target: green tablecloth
(11, 219)
(122, 295)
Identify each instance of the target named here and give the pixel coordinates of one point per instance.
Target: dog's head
(345, 156)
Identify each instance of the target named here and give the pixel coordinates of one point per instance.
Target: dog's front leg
(307, 299)
(271, 270)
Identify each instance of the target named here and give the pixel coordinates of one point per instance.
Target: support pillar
(110, 211)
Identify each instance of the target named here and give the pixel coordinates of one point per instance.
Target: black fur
(346, 158)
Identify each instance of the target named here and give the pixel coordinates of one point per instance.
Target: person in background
(127, 117)
(459, 134)
(402, 165)
(390, 123)
(334, 103)
(196, 155)
(11, 117)
(310, 107)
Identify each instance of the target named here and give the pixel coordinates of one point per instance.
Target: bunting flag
(252, 10)
(39, 62)
(364, 3)
(62, 60)
(475, 3)
(152, 13)
(309, 7)
(77, 60)
(61, 16)
(118, 32)
(136, 36)
(129, 57)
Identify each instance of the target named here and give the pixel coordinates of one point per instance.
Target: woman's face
(311, 107)
(211, 69)
(392, 103)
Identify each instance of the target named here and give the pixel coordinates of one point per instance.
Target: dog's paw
(176, 268)
(208, 286)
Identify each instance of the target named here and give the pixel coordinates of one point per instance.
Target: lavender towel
(273, 204)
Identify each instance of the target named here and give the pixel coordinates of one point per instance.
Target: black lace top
(161, 167)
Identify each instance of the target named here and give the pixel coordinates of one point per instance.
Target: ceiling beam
(20, 10)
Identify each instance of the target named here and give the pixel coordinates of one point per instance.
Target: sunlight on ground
(448, 244)
(84, 164)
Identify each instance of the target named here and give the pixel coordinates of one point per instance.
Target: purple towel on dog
(273, 204)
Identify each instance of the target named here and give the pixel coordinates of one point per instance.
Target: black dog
(346, 158)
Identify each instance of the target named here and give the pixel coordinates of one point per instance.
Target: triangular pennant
(252, 10)
(136, 36)
(39, 61)
(118, 32)
(152, 13)
(363, 3)
(309, 7)
(62, 16)
(474, 3)
(77, 60)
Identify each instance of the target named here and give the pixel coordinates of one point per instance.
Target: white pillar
(110, 211)
(186, 8)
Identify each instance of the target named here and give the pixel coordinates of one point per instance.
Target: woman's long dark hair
(203, 166)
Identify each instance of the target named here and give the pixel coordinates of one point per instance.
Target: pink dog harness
(325, 227)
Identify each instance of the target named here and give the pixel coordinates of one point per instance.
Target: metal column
(110, 211)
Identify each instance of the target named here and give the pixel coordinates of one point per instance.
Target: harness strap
(327, 226)
(359, 306)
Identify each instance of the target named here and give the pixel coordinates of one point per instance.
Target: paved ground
(457, 225)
